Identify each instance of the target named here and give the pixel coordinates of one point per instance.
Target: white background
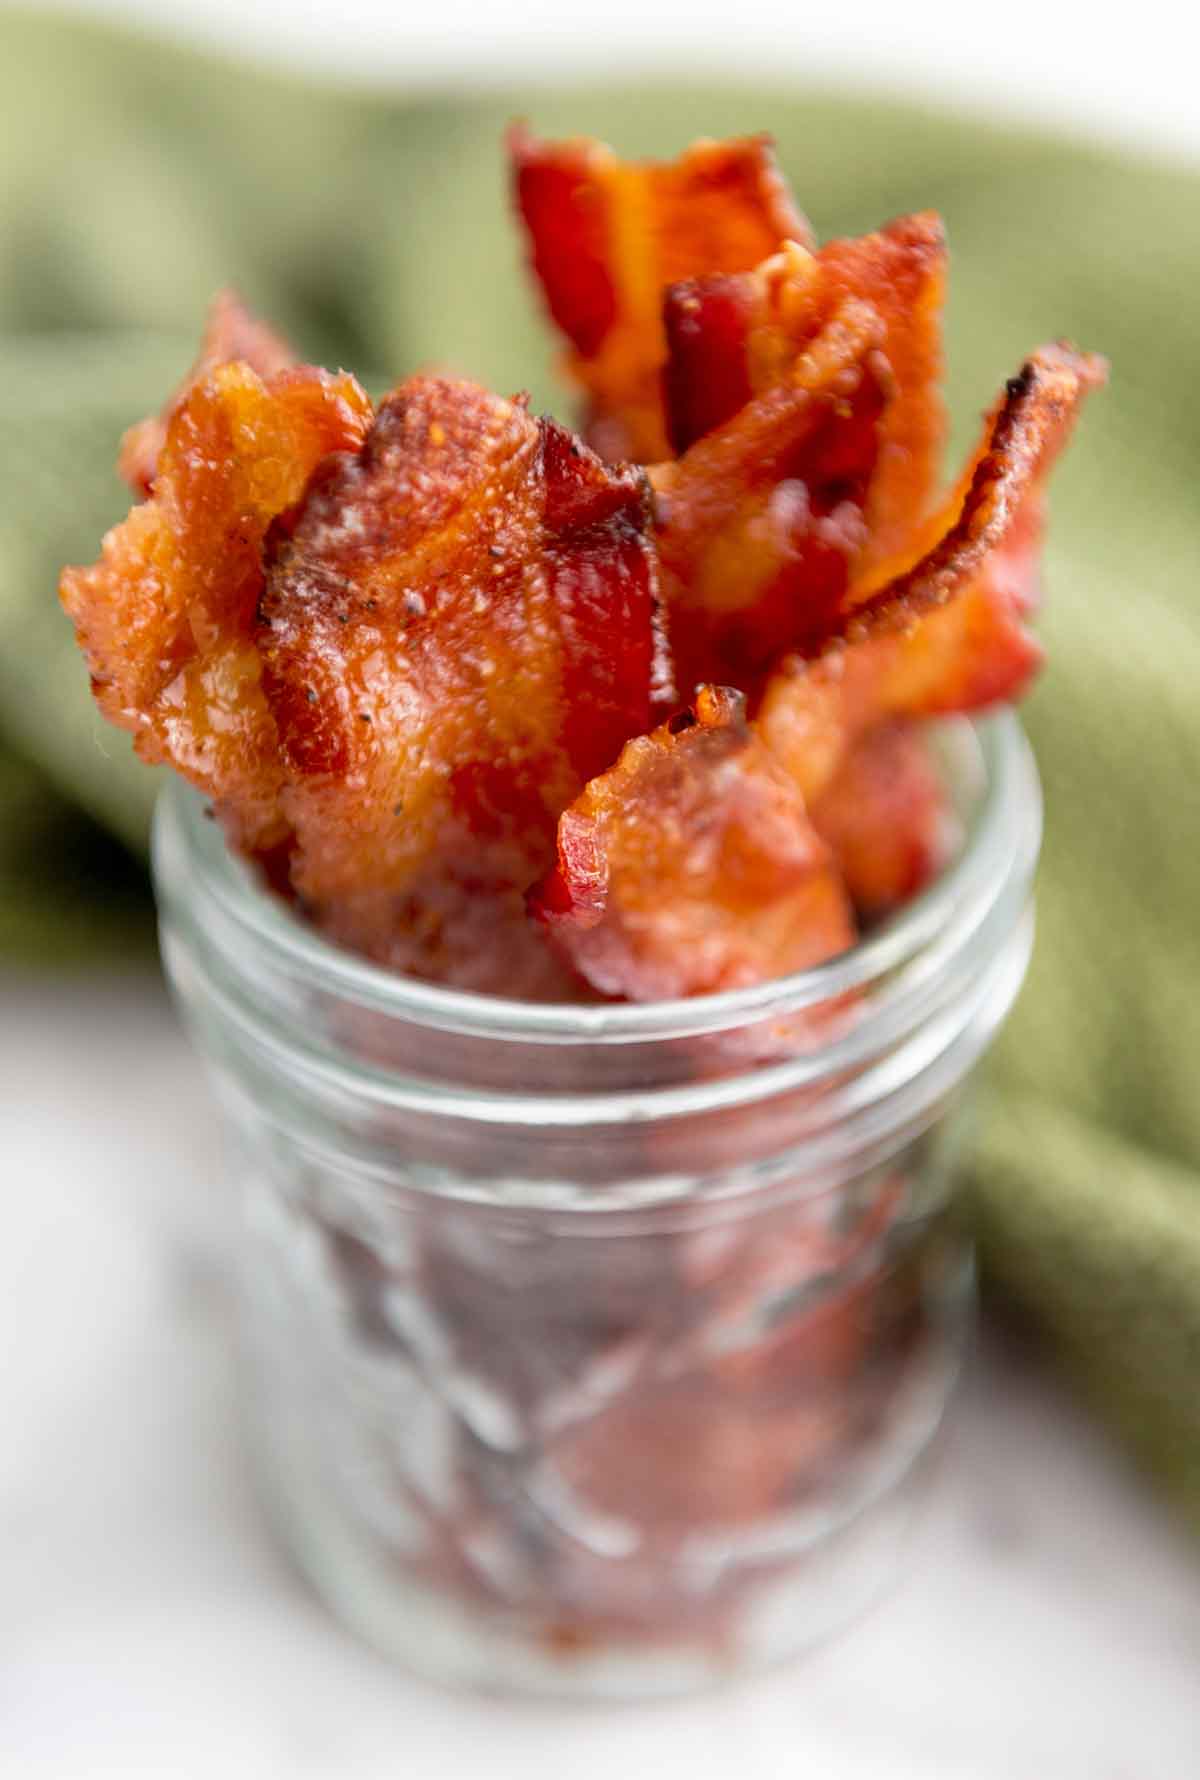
(1049, 1628)
(1119, 70)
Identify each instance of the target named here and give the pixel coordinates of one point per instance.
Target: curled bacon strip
(606, 238)
(230, 332)
(804, 397)
(760, 521)
(692, 866)
(165, 618)
(733, 338)
(459, 630)
(1025, 434)
(948, 634)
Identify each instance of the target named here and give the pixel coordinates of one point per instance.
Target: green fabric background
(135, 179)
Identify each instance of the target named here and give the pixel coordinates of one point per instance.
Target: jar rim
(1002, 839)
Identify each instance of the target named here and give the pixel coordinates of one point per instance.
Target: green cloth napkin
(135, 179)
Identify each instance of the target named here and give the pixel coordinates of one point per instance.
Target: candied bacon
(691, 866)
(165, 618)
(760, 522)
(1024, 435)
(432, 632)
(732, 338)
(947, 634)
(606, 237)
(885, 819)
(230, 332)
(402, 652)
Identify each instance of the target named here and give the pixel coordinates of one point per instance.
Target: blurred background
(340, 163)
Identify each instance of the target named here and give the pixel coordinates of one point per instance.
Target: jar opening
(612, 1105)
(988, 766)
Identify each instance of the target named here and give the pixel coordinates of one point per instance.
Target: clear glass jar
(597, 1349)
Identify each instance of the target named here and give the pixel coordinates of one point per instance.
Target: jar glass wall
(599, 1348)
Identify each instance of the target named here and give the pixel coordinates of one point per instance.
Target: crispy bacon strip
(459, 631)
(759, 523)
(885, 819)
(165, 618)
(691, 866)
(733, 338)
(1024, 435)
(948, 634)
(606, 237)
(230, 332)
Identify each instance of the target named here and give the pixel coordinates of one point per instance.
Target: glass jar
(598, 1348)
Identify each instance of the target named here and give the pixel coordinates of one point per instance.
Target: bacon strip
(1025, 433)
(948, 634)
(760, 522)
(606, 237)
(165, 618)
(459, 630)
(691, 866)
(733, 338)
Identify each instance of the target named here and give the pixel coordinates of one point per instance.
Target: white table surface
(1048, 1628)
